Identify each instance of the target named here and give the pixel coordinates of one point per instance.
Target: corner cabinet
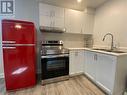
(107, 71)
(88, 23)
(51, 16)
(79, 22)
(100, 68)
(76, 62)
(74, 21)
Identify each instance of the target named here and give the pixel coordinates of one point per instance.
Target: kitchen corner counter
(99, 51)
(105, 52)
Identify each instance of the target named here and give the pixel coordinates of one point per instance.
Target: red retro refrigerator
(18, 39)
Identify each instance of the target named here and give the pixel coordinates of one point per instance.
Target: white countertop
(99, 51)
(77, 48)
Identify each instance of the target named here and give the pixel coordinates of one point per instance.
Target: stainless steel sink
(107, 50)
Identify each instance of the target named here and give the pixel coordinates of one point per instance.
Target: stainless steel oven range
(54, 62)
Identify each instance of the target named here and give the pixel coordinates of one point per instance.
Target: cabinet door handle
(54, 14)
(76, 53)
(50, 13)
(95, 57)
(54, 23)
(50, 24)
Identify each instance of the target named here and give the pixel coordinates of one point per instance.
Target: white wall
(1, 60)
(24, 10)
(111, 17)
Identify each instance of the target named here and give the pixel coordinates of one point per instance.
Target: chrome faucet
(112, 47)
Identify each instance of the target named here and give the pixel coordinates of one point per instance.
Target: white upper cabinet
(45, 21)
(45, 9)
(88, 23)
(58, 22)
(58, 12)
(79, 22)
(73, 21)
(51, 16)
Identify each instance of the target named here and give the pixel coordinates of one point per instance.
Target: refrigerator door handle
(9, 47)
(8, 42)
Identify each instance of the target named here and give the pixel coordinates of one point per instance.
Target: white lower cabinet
(101, 69)
(108, 71)
(76, 62)
(90, 65)
(105, 71)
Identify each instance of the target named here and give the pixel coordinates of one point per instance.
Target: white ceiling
(73, 3)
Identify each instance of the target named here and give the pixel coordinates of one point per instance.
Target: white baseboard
(1, 75)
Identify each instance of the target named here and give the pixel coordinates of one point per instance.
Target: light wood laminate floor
(78, 85)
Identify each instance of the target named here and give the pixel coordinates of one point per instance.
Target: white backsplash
(70, 40)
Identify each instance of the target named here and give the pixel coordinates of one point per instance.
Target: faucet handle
(115, 46)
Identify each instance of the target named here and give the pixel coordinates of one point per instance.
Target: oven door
(55, 66)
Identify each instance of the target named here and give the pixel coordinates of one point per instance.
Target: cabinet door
(73, 21)
(76, 61)
(72, 62)
(58, 22)
(79, 61)
(58, 17)
(45, 15)
(51, 16)
(90, 64)
(88, 24)
(105, 71)
(45, 9)
(45, 21)
(58, 12)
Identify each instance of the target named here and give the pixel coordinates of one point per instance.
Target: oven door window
(55, 67)
(56, 64)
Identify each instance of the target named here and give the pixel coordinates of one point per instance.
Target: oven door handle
(55, 56)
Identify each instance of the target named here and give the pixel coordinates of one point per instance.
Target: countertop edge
(99, 51)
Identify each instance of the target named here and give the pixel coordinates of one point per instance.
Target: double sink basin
(113, 51)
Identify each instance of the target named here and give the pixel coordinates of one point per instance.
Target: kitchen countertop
(77, 48)
(99, 51)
